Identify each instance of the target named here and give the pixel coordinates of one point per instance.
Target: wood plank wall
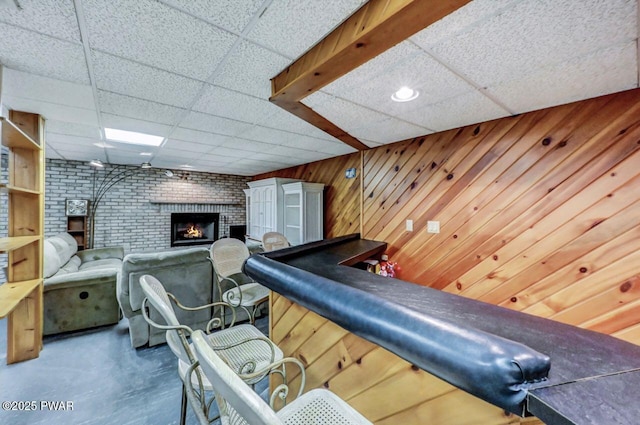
(538, 213)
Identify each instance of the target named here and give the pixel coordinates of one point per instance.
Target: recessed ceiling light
(132, 137)
(405, 94)
(146, 153)
(103, 145)
(186, 166)
(96, 163)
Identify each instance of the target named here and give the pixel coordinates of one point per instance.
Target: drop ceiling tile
(347, 115)
(388, 130)
(44, 89)
(309, 21)
(266, 135)
(418, 71)
(606, 71)
(51, 17)
(233, 15)
(390, 60)
(249, 68)
(132, 79)
(213, 124)
(335, 148)
(187, 146)
(230, 152)
(469, 108)
(248, 145)
(72, 129)
(473, 13)
(51, 110)
(157, 35)
(66, 139)
(38, 54)
(537, 33)
(202, 137)
(231, 104)
(279, 119)
(179, 155)
(134, 107)
(130, 124)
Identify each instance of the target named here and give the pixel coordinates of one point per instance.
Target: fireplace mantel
(191, 201)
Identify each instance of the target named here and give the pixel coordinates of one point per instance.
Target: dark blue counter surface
(497, 354)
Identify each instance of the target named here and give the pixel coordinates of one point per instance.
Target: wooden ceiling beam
(374, 28)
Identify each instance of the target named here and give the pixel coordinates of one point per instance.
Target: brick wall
(136, 212)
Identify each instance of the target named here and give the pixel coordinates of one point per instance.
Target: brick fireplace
(194, 228)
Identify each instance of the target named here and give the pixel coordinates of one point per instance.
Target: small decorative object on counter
(387, 268)
(373, 266)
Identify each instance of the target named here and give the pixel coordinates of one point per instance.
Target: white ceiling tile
(266, 135)
(202, 137)
(44, 89)
(233, 15)
(51, 17)
(38, 54)
(249, 68)
(335, 148)
(230, 152)
(281, 119)
(132, 79)
(125, 159)
(347, 115)
(469, 108)
(187, 146)
(231, 104)
(158, 35)
(52, 111)
(388, 130)
(607, 71)
(248, 145)
(213, 124)
(537, 33)
(72, 129)
(183, 154)
(130, 124)
(473, 13)
(66, 139)
(134, 107)
(418, 71)
(309, 21)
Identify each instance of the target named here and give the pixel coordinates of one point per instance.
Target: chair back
(274, 240)
(237, 402)
(228, 256)
(157, 296)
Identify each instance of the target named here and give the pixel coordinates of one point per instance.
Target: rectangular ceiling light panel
(132, 137)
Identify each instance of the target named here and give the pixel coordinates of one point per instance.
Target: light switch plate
(409, 225)
(433, 226)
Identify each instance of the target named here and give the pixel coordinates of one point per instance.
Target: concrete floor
(106, 380)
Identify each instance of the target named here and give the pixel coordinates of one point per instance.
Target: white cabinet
(296, 212)
(303, 212)
(265, 200)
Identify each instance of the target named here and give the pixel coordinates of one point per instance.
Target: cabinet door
(292, 217)
(256, 213)
(269, 205)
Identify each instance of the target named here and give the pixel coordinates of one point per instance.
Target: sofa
(186, 273)
(79, 286)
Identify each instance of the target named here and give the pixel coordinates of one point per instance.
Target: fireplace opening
(194, 228)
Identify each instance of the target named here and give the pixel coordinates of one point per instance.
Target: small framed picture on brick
(77, 207)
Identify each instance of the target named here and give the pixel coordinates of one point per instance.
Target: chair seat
(252, 294)
(237, 356)
(320, 407)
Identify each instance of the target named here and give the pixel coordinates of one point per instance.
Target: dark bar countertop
(525, 364)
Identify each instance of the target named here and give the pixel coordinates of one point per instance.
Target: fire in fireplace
(194, 228)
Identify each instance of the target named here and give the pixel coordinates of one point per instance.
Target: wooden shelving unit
(21, 295)
(77, 227)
